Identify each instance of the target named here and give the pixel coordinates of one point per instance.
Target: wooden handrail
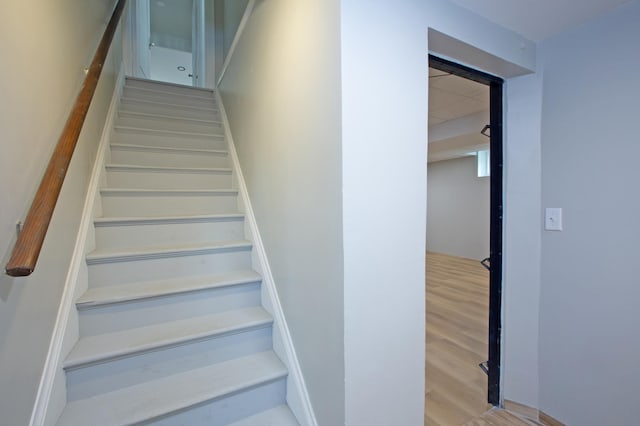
(29, 243)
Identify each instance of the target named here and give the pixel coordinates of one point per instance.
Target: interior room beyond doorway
(458, 237)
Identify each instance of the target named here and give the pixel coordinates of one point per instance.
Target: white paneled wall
(458, 209)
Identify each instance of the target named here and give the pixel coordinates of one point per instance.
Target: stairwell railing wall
(31, 237)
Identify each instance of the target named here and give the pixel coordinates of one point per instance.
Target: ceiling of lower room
(452, 97)
(458, 110)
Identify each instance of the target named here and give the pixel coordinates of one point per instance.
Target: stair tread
(100, 296)
(144, 191)
(278, 416)
(201, 96)
(170, 394)
(132, 79)
(140, 253)
(143, 220)
(168, 149)
(120, 167)
(103, 347)
(127, 99)
(168, 132)
(149, 116)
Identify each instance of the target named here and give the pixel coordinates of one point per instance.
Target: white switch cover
(553, 219)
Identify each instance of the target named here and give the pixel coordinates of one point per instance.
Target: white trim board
(53, 361)
(297, 395)
(236, 39)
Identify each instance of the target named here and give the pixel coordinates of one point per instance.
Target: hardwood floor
(457, 331)
(498, 417)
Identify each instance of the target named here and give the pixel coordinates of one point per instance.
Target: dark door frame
(495, 244)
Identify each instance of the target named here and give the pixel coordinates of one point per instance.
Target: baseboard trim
(530, 413)
(54, 354)
(297, 395)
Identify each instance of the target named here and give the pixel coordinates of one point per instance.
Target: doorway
(465, 136)
(170, 41)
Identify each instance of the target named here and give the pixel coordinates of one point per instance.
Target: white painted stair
(172, 328)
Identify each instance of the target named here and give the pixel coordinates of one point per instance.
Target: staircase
(172, 328)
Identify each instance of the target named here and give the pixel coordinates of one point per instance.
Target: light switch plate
(553, 219)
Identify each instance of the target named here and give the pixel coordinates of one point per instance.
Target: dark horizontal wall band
(463, 71)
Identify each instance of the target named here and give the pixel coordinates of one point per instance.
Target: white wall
(43, 70)
(283, 85)
(171, 24)
(384, 145)
(522, 239)
(458, 209)
(282, 95)
(589, 323)
(384, 81)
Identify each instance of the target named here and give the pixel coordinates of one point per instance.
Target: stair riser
(134, 105)
(122, 316)
(162, 123)
(150, 85)
(167, 141)
(132, 370)
(159, 269)
(278, 416)
(122, 237)
(145, 95)
(169, 205)
(164, 159)
(224, 411)
(167, 180)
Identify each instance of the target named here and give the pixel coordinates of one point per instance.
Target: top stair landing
(168, 94)
(161, 86)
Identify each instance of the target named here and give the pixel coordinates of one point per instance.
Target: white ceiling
(458, 109)
(540, 19)
(453, 97)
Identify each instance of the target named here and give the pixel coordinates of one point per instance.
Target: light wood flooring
(498, 417)
(457, 331)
